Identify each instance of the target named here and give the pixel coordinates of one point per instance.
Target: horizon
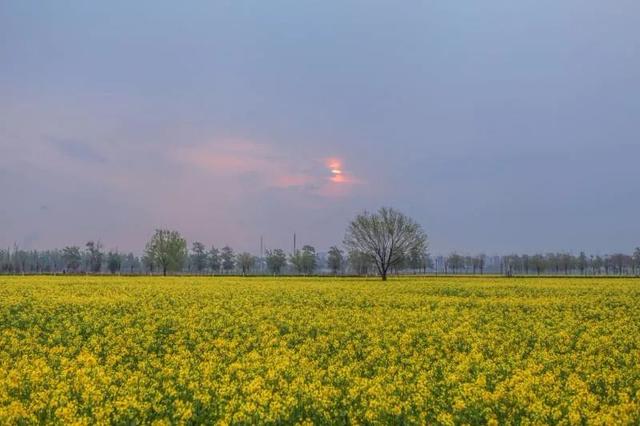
(500, 128)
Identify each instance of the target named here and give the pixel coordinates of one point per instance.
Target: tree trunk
(164, 271)
(384, 275)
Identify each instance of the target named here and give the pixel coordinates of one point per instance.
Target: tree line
(380, 243)
(543, 264)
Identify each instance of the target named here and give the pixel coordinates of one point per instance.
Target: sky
(500, 126)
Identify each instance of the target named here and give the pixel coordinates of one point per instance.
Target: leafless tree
(386, 237)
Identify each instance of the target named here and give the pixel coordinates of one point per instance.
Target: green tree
(304, 261)
(198, 256)
(455, 262)
(582, 262)
(114, 261)
(71, 257)
(166, 250)
(246, 262)
(335, 260)
(214, 260)
(227, 258)
(94, 256)
(360, 263)
(417, 259)
(539, 263)
(276, 260)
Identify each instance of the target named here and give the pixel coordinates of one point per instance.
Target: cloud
(78, 150)
(269, 169)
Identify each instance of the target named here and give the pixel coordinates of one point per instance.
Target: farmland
(319, 350)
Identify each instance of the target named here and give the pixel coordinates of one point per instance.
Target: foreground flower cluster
(94, 350)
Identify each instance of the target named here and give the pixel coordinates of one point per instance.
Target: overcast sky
(499, 125)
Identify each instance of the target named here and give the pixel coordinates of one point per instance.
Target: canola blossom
(184, 350)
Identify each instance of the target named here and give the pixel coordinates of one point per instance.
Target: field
(319, 350)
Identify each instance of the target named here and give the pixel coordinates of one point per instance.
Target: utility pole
(294, 243)
(261, 254)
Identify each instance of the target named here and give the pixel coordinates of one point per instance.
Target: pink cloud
(291, 180)
(234, 158)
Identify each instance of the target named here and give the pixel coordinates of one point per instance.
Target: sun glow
(334, 166)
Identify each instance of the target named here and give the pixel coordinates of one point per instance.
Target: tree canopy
(167, 250)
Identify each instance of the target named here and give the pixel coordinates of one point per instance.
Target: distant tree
(516, 264)
(636, 261)
(114, 261)
(417, 258)
(525, 262)
(167, 250)
(304, 261)
(72, 257)
(215, 263)
(227, 259)
(360, 263)
(246, 262)
(567, 262)
(198, 257)
(386, 237)
(467, 263)
(147, 263)
(553, 263)
(5, 257)
(309, 259)
(510, 264)
(276, 260)
(478, 263)
(335, 260)
(403, 263)
(428, 263)
(131, 263)
(474, 264)
(582, 262)
(94, 256)
(455, 262)
(606, 264)
(539, 263)
(620, 261)
(295, 260)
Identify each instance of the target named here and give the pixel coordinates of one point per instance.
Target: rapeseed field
(182, 350)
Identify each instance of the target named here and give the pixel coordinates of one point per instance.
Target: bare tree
(386, 237)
